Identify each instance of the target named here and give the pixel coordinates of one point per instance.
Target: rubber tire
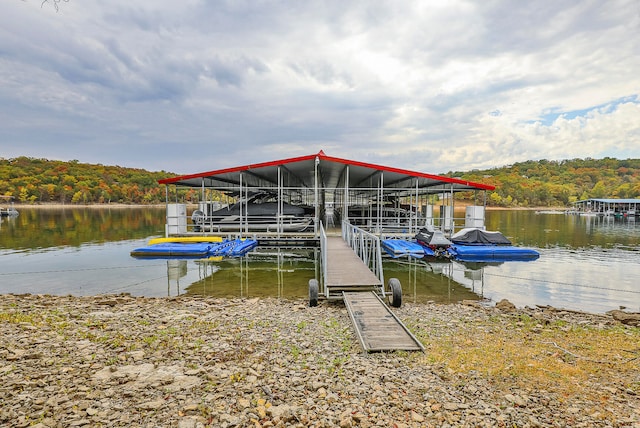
(313, 293)
(395, 293)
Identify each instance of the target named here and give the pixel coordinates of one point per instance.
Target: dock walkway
(345, 270)
(378, 329)
(349, 278)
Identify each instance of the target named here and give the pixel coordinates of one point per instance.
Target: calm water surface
(586, 263)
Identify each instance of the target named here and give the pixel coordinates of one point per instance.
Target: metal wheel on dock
(395, 292)
(313, 292)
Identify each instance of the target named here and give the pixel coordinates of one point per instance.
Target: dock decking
(345, 270)
(348, 277)
(377, 328)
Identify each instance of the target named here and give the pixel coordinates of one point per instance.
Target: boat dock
(286, 202)
(8, 211)
(608, 206)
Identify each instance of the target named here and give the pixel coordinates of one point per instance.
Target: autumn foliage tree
(31, 180)
(541, 183)
(548, 183)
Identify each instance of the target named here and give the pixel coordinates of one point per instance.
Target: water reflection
(613, 228)
(423, 281)
(286, 273)
(277, 272)
(586, 263)
(46, 228)
(527, 228)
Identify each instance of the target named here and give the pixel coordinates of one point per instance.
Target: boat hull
(296, 225)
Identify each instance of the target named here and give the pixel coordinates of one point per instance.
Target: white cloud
(431, 86)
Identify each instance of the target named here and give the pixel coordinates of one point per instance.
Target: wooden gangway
(348, 277)
(378, 329)
(345, 271)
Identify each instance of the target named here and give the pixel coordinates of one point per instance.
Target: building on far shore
(609, 206)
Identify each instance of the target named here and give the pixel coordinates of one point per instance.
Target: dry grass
(558, 357)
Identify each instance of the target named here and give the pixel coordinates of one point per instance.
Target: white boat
(9, 211)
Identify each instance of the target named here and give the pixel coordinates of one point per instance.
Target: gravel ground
(194, 362)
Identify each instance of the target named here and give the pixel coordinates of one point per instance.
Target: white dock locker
(446, 218)
(474, 216)
(427, 212)
(176, 219)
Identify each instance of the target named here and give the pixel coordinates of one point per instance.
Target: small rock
(151, 405)
(516, 400)
(188, 422)
(416, 417)
(346, 423)
(627, 318)
(243, 403)
(450, 406)
(505, 306)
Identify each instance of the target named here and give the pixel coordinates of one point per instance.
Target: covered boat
(260, 211)
(474, 244)
(385, 215)
(434, 240)
(477, 236)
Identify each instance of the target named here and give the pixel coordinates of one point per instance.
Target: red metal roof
(300, 172)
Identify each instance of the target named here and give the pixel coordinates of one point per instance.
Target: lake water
(586, 263)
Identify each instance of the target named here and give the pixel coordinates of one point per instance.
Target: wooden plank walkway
(345, 270)
(349, 278)
(377, 328)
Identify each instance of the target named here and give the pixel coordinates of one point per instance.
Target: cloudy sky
(431, 86)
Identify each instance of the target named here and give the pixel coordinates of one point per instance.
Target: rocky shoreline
(189, 362)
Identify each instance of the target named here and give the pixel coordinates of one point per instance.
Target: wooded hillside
(526, 184)
(31, 180)
(547, 183)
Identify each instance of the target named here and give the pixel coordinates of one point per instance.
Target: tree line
(33, 181)
(549, 183)
(543, 183)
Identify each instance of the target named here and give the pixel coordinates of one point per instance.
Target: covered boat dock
(609, 206)
(297, 200)
(292, 197)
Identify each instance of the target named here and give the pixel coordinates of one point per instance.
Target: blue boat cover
(399, 247)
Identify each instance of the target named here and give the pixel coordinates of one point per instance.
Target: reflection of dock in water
(176, 269)
(469, 275)
(265, 273)
(285, 272)
(437, 281)
(609, 223)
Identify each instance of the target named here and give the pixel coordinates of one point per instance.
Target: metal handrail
(323, 256)
(366, 246)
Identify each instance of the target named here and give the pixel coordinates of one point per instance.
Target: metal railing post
(367, 247)
(323, 257)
